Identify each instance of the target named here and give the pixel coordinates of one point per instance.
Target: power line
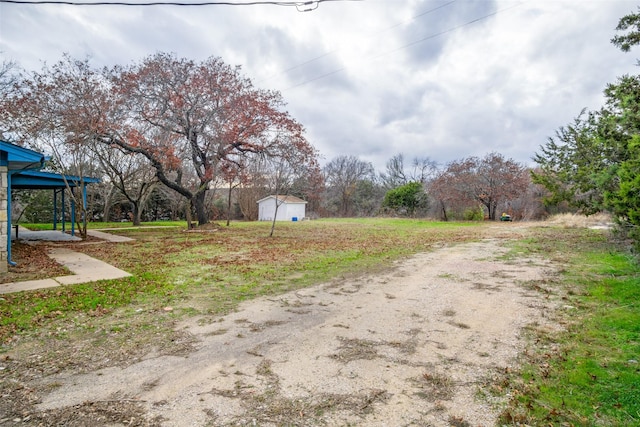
(302, 6)
(413, 43)
(482, 18)
(293, 67)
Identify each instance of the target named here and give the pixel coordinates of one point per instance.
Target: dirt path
(424, 344)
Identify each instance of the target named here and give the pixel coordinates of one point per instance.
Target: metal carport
(20, 169)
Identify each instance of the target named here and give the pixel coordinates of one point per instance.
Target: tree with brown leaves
(187, 118)
(491, 181)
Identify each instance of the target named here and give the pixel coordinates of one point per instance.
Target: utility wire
(325, 54)
(297, 4)
(413, 43)
(482, 18)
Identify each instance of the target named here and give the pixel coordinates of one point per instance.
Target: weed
(220, 331)
(356, 349)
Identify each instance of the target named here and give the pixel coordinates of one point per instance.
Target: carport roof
(20, 158)
(24, 165)
(24, 172)
(37, 180)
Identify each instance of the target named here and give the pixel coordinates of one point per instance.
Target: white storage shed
(290, 208)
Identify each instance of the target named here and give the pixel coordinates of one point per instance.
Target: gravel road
(426, 343)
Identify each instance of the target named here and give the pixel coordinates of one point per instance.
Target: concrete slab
(26, 235)
(29, 285)
(86, 268)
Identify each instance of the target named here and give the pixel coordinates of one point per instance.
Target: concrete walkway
(108, 236)
(85, 269)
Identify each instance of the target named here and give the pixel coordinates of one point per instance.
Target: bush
(475, 214)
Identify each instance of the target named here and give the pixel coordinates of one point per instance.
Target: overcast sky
(440, 79)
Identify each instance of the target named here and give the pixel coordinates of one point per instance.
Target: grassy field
(212, 270)
(585, 372)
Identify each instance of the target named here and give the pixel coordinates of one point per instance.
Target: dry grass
(568, 220)
(356, 349)
(270, 407)
(434, 386)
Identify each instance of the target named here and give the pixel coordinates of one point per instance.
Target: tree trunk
(229, 204)
(106, 211)
(444, 211)
(275, 215)
(273, 223)
(187, 212)
(201, 211)
(137, 212)
(491, 207)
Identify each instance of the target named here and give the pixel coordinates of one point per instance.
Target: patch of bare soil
(428, 343)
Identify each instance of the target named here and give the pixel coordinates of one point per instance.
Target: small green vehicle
(505, 217)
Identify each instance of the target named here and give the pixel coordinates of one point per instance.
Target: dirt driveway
(427, 343)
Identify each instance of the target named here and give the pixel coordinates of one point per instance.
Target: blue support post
(73, 216)
(84, 205)
(55, 209)
(9, 261)
(63, 213)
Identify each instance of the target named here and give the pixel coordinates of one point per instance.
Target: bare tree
(342, 175)
(395, 175)
(421, 170)
(8, 79)
(132, 175)
(254, 188)
(285, 163)
(44, 112)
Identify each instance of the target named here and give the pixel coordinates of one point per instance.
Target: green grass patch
(212, 269)
(588, 374)
(27, 311)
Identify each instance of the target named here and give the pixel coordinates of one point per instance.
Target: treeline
(172, 138)
(468, 189)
